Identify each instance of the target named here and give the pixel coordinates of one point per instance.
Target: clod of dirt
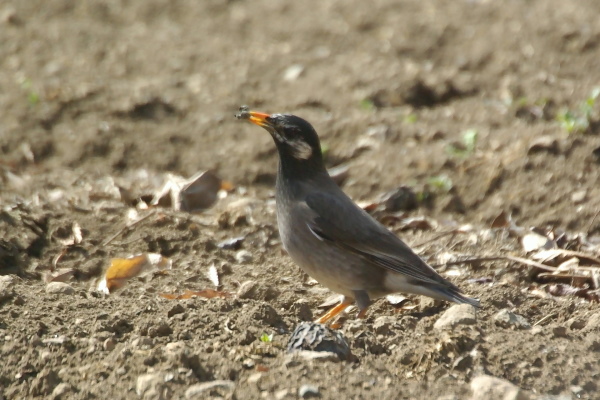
(255, 291)
(7, 283)
(317, 337)
(541, 144)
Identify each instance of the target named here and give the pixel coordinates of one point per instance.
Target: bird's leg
(335, 311)
(362, 302)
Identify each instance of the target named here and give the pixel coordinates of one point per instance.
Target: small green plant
(409, 118)
(324, 150)
(440, 183)
(367, 104)
(33, 97)
(467, 147)
(265, 338)
(579, 121)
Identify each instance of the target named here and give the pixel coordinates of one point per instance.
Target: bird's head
(295, 138)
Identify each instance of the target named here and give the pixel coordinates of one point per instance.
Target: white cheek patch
(300, 149)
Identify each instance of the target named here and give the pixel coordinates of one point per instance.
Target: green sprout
(440, 183)
(579, 121)
(33, 97)
(367, 104)
(409, 118)
(467, 147)
(265, 338)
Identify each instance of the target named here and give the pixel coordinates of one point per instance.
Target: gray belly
(333, 267)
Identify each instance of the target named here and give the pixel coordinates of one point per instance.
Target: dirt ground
(469, 103)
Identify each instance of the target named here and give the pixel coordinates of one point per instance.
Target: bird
(331, 238)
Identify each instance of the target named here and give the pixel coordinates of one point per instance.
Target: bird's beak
(255, 117)
(258, 118)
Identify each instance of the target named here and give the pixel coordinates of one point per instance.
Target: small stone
(7, 283)
(579, 196)
(152, 386)
(254, 378)
(459, 314)
(308, 391)
(575, 324)
(59, 288)
(544, 144)
(281, 394)
(508, 319)
(293, 72)
(199, 390)
(492, 388)
(109, 344)
(61, 390)
(243, 257)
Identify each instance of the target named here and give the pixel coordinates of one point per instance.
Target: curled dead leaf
(123, 269)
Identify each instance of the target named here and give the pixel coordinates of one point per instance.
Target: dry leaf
(122, 269)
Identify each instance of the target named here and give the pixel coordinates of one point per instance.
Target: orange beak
(258, 118)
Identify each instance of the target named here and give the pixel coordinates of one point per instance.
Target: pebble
(308, 391)
(109, 344)
(198, 391)
(508, 319)
(243, 257)
(61, 390)
(231, 244)
(152, 386)
(7, 283)
(160, 329)
(254, 378)
(492, 388)
(59, 288)
(459, 314)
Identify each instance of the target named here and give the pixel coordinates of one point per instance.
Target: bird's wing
(338, 220)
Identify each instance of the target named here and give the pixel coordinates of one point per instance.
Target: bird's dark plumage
(329, 236)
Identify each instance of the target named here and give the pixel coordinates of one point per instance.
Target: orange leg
(363, 313)
(334, 311)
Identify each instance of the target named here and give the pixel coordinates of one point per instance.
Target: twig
(547, 317)
(130, 225)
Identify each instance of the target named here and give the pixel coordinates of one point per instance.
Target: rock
(544, 144)
(109, 344)
(199, 390)
(459, 314)
(7, 283)
(254, 378)
(318, 337)
(293, 72)
(492, 388)
(508, 319)
(308, 391)
(62, 391)
(152, 386)
(243, 257)
(59, 288)
(559, 331)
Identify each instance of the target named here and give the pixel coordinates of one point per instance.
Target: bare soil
(106, 94)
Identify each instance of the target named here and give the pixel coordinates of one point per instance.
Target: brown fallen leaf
(188, 294)
(123, 269)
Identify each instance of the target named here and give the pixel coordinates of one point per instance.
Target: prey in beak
(255, 117)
